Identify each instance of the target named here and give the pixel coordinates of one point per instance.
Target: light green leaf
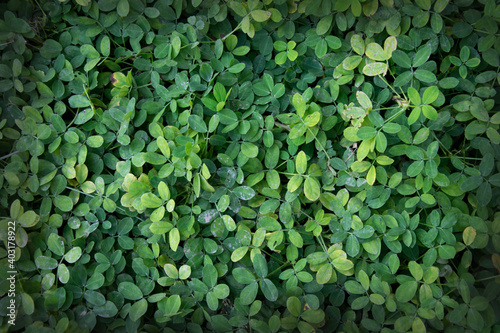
(301, 162)
(260, 15)
(375, 52)
(375, 68)
(73, 255)
(312, 188)
(299, 104)
(406, 291)
(324, 25)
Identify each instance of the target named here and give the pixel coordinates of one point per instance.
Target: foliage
(251, 165)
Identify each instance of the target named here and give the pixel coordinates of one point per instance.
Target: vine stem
(234, 30)
(286, 127)
(387, 83)
(440, 143)
(323, 149)
(9, 155)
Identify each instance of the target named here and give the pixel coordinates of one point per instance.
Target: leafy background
(251, 166)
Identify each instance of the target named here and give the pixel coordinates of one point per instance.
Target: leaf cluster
(250, 165)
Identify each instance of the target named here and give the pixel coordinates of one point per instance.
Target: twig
(9, 155)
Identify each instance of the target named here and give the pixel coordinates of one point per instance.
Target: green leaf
(171, 271)
(421, 56)
(138, 310)
(313, 316)
(375, 52)
(484, 194)
(471, 183)
(415, 168)
(351, 62)
(73, 255)
(401, 59)
(130, 291)
(269, 290)
(149, 200)
(107, 310)
(280, 58)
(95, 141)
(249, 149)
(352, 246)
(425, 76)
(312, 189)
(299, 104)
(56, 244)
(174, 238)
(414, 96)
(123, 8)
(375, 68)
(50, 49)
(43, 262)
(324, 274)
(366, 133)
(364, 100)
(64, 203)
(239, 253)
(429, 112)
(95, 282)
(260, 15)
(249, 293)
(260, 265)
(238, 8)
(354, 287)
(221, 291)
(296, 238)
(321, 48)
(210, 275)
(294, 305)
(184, 272)
(28, 219)
(229, 223)
(357, 44)
(63, 273)
(243, 275)
(301, 162)
(241, 50)
(324, 25)
(406, 291)
(197, 123)
(430, 95)
(78, 101)
(416, 270)
(431, 275)
(446, 252)
(244, 192)
(28, 304)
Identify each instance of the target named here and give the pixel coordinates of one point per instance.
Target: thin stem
(489, 278)
(387, 83)
(279, 268)
(322, 148)
(234, 30)
(288, 173)
(9, 155)
(440, 143)
(396, 115)
(75, 190)
(286, 127)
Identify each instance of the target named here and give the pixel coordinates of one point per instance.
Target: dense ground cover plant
(250, 166)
